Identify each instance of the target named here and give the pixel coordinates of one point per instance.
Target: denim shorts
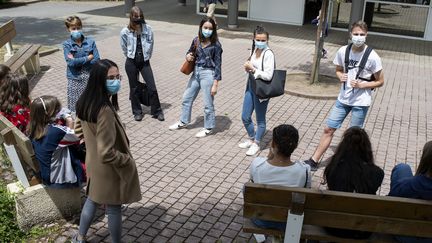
(340, 112)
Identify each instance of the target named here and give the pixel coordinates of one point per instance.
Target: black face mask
(138, 21)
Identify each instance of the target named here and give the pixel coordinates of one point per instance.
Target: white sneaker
(245, 144)
(177, 125)
(260, 238)
(253, 149)
(204, 132)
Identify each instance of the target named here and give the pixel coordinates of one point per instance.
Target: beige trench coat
(112, 177)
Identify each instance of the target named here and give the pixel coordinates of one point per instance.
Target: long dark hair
(355, 145)
(425, 166)
(214, 36)
(14, 90)
(95, 95)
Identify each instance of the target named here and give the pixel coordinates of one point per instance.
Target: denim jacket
(80, 61)
(128, 42)
(208, 57)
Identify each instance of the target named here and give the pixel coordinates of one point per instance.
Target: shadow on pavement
(45, 31)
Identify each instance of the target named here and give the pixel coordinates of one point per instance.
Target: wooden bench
(311, 209)
(26, 59)
(19, 150)
(36, 203)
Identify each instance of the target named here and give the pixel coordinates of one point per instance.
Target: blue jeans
(251, 103)
(340, 112)
(269, 224)
(201, 79)
(114, 219)
(399, 173)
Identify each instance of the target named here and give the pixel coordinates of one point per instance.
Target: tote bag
(268, 89)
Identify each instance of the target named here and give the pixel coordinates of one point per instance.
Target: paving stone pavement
(192, 187)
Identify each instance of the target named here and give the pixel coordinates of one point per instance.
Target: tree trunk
(319, 43)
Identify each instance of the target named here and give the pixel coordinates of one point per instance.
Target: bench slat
(7, 32)
(341, 201)
(390, 215)
(311, 232)
(21, 56)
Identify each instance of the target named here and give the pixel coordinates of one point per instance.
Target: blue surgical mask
(207, 33)
(260, 44)
(113, 86)
(76, 34)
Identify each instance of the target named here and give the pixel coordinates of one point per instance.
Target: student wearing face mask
(112, 178)
(261, 65)
(136, 41)
(357, 84)
(207, 51)
(80, 53)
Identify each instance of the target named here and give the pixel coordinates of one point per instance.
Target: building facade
(403, 18)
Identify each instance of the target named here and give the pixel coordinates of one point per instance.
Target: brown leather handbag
(188, 66)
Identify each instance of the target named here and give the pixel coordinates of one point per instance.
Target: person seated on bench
(59, 166)
(404, 184)
(4, 70)
(279, 169)
(352, 169)
(15, 100)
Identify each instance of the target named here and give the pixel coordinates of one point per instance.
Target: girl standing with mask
(137, 44)
(80, 53)
(112, 178)
(206, 76)
(261, 65)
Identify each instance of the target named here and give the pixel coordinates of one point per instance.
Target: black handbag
(141, 92)
(268, 89)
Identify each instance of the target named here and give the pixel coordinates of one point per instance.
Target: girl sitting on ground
(15, 100)
(59, 166)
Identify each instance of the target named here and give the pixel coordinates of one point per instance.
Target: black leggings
(132, 70)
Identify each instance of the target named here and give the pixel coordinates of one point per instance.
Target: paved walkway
(192, 187)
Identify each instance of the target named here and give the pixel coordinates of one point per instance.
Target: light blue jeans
(201, 79)
(340, 112)
(251, 103)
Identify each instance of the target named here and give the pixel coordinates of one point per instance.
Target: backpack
(362, 64)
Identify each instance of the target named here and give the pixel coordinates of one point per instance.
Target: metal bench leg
(16, 163)
(294, 228)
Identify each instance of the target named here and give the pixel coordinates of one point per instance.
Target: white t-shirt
(357, 97)
(269, 64)
(292, 176)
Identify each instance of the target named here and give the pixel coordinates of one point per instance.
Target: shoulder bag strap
(307, 177)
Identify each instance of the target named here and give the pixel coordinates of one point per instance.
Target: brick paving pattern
(192, 187)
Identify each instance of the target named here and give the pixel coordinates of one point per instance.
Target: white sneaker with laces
(177, 125)
(204, 132)
(245, 144)
(253, 149)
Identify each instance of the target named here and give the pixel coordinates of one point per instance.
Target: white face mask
(358, 40)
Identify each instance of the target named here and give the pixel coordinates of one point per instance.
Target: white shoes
(177, 125)
(245, 144)
(204, 132)
(253, 149)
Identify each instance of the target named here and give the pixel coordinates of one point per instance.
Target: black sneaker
(314, 165)
(138, 117)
